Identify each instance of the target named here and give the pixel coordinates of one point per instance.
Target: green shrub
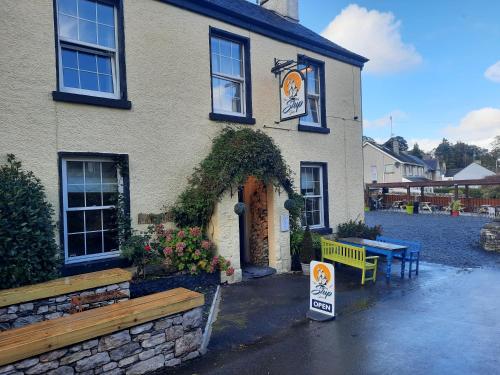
(306, 249)
(358, 229)
(28, 250)
(296, 238)
(136, 249)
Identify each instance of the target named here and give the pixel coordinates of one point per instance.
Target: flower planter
(409, 210)
(306, 267)
(455, 213)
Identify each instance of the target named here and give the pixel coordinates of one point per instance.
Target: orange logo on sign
(322, 274)
(292, 84)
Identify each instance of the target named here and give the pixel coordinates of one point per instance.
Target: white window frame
(77, 45)
(229, 77)
(64, 176)
(321, 196)
(315, 96)
(389, 169)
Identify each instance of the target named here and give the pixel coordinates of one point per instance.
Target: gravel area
(452, 241)
(204, 283)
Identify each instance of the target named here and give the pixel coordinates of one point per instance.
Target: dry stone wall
(15, 316)
(165, 342)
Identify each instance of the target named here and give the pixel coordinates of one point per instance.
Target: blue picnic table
(388, 250)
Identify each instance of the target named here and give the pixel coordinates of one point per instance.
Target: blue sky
(429, 60)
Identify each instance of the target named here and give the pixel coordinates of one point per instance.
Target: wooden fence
(470, 204)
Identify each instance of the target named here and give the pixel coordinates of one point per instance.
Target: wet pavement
(445, 321)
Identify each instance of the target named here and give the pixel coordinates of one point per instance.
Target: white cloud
(375, 35)
(385, 121)
(425, 144)
(477, 127)
(493, 72)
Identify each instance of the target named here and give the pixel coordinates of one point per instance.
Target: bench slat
(21, 343)
(63, 285)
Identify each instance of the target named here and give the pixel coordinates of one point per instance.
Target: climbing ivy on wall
(235, 155)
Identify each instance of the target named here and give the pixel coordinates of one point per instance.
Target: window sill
(314, 129)
(322, 230)
(67, 97)
(229, 118)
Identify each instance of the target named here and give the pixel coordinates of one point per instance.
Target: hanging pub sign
(293, 95)
(321, 291)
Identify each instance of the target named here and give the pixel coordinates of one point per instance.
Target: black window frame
(323, 129)
(326, 211)
(123, 161)
(247, 119)
(122, 102)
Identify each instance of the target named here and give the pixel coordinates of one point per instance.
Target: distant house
(383, 164)
(473, 171)
(433, 169)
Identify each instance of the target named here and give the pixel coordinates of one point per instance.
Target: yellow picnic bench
(350, 255)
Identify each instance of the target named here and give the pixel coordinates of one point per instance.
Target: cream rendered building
(128, 94)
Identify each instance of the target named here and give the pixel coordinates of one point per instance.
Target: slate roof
(402, 156)
(416, 178)
(432, 164)
(452, 172)
(254, 17)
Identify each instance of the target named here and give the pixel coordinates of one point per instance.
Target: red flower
(167, 251)
(147, 248)
(230, 271)
(195, 232)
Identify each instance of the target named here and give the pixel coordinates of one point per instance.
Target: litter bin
(409, 209)
(416, 206)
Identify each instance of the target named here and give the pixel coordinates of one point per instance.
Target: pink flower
(168, 237)
(205, 244)
(195, 232)
(197, 252)
(181, 234)
(147, 248)
(230, 271)
(211, 269)
(168, 251)
(180, 246)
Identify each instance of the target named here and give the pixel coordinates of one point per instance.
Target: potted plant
(455, 207)
(306, 251)
(409, 208)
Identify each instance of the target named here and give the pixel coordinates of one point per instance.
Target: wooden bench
(63, 285)
(350, 255)
(38, 338)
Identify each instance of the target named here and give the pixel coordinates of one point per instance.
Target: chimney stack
(395, 146)
(286, 8)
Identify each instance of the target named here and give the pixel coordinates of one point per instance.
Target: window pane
(109, 219)
(92, 172)
(105, 83)
(70, 78)
(215, 63)
(76, 245)
(110, 241)
(67, 6)
(87, 9)
(105, 14)
(225, 47)
(75, 221)
(104, 64)
(93, 195)
(235, 51)
(94, 243)
(227, 95)
(68, 27)
(88, 31)
(110, 194)
(88, 81)
(69, 58)
(106, 36)
(87, 61)
(76, 196)
(108, 172)
(93, 220)
(215, 46)
(74, 171)
(226, 66)
(236, 67)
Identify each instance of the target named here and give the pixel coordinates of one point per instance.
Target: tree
(28, 251)
(403, 145)
(416, 151)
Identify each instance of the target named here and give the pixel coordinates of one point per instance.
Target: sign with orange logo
(293, 95)
(322, 289)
